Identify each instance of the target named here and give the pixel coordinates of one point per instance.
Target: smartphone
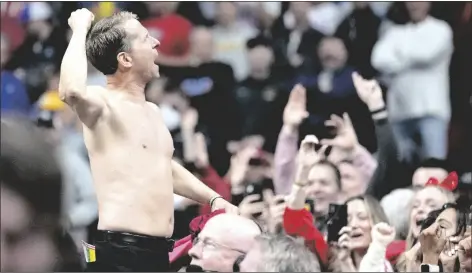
(337, 219)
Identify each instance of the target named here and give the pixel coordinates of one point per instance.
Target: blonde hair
(375, 210)
(401, 264)
(410, 239)
(376, 215)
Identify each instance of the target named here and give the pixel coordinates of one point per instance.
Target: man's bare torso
(130, 152)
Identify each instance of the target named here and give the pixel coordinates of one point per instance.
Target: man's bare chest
(137, 127)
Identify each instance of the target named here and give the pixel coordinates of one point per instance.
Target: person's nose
(196, 251)
(156, 43)
(354, 223)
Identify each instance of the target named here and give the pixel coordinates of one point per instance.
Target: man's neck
(130, 86)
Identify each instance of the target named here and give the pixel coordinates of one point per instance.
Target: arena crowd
(341, 131)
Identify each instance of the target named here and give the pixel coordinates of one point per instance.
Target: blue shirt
(14, 96)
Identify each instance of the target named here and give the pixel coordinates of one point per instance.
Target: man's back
(130, 151)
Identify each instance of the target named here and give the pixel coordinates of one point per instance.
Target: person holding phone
(367, 232)
(298, 220)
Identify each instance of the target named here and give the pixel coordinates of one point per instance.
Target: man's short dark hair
(106, 39)
(337, 173)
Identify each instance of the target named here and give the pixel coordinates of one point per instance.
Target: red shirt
(173, 33)
(300, 223)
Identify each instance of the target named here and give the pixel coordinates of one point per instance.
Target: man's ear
(124, 60)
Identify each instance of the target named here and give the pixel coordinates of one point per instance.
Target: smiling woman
(364, 213)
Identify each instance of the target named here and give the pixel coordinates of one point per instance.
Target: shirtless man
(129, 146)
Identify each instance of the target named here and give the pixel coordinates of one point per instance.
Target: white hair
(282, 253)
(396, 205)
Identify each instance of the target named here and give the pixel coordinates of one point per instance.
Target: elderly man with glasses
(225, 239)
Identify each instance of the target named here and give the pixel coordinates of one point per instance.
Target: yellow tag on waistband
(89, 252)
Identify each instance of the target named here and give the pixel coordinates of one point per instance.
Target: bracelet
(212, 200)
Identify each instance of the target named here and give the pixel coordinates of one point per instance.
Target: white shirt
(416, 57)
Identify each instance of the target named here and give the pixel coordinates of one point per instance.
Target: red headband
(450, 183)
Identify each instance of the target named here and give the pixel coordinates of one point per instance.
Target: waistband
(138, 240)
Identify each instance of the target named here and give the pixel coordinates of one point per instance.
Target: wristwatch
(429, 268)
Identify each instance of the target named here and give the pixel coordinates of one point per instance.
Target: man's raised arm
(73, 77)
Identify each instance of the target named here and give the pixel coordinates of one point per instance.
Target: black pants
(127, 252)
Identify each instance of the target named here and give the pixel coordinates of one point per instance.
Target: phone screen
(337, 219)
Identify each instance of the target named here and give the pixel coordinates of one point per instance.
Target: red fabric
(13, 30)
(394, 250)
(215, 182)
(300, 223)
(182, 246)
(173, 33)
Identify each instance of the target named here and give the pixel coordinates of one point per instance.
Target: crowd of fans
(341, 130)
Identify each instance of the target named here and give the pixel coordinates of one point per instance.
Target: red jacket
(300, 223)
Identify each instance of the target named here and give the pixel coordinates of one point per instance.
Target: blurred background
(227, 69)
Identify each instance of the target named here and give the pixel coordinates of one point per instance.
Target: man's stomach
(135, 206)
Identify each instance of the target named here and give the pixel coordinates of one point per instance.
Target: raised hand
(306, 158)
(346, 138)
(81, 20)
(369, 92)
(383, 234)
(189, 119)
(276, 209)
(432, 240)
(295, 110)
(240, 165)
(201, 151)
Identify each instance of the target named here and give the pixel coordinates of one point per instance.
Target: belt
(134, 239)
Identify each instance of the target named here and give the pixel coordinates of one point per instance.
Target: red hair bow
(450, 183)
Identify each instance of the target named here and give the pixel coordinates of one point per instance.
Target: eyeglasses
(209, 244)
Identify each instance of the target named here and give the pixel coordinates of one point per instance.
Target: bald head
(224, 238)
